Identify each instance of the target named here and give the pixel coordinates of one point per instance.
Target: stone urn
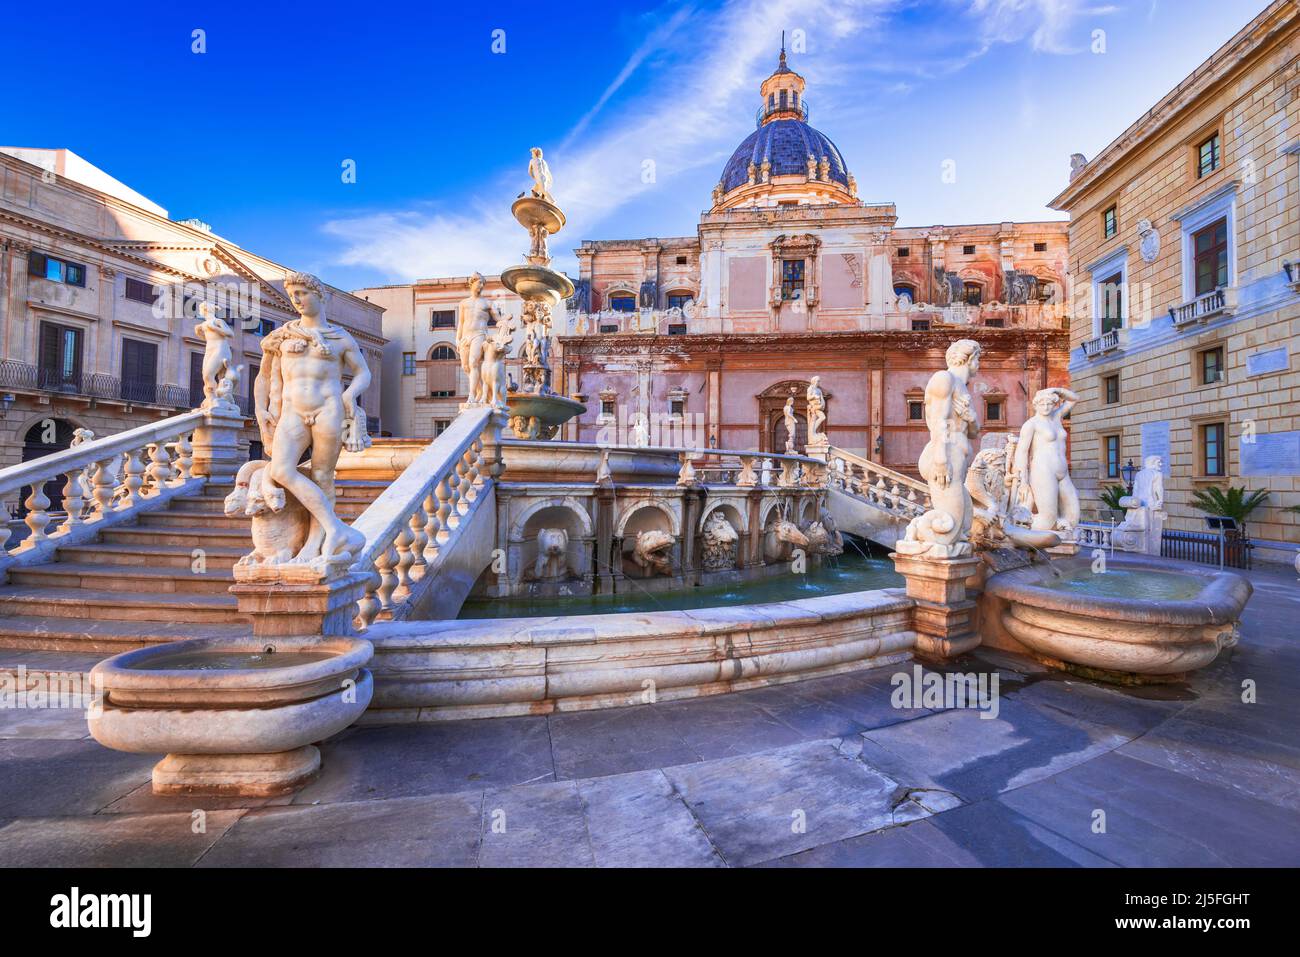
(233, 716)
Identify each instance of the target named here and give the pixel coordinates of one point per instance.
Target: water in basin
(849, 572)
(230, 660)
(1126, 583)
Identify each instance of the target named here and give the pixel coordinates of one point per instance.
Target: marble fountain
(501, 575)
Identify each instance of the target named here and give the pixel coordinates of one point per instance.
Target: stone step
(146, 579)
(37, 633)
(192, 537)
(172, 519)
(200, 510)
(158, 555)
(109, 605)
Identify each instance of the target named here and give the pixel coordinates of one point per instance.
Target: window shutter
(36, 264)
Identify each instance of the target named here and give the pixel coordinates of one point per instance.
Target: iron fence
(1204, 547)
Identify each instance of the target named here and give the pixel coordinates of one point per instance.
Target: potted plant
(1233, 502)
(1110, 496)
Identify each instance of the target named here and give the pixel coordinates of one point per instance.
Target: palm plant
(1234, 502)
(1111, 495)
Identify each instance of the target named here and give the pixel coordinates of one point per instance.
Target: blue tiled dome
(786, 145)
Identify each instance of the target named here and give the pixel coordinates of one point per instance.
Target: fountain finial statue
(540, 171)
(301, 403)
(944, 530)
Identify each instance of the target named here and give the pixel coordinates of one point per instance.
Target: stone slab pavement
(1067, 773)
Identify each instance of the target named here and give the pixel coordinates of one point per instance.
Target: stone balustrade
(756, 469)
(105, 481)
(413, 526)
(877, 485)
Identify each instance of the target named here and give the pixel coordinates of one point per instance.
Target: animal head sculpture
(788, 532)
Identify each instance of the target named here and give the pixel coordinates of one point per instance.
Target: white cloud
(1051, 26)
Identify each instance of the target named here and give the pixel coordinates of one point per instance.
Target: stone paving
(820, 773)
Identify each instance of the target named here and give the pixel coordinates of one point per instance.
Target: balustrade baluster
(132, 481)
(419, 540)
(368, 608)
(446, 506)
(37, 518)
(431, 524)
(160, 468)
(102, 484)
(386, 565)
(184, 460)
(74, 501)
(405, 557)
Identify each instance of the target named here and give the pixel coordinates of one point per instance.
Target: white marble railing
(1103, 343)
(877, 485)
(104, 481)
(754, 469)
(1093, 535)
(415, 522)
(1204, 306)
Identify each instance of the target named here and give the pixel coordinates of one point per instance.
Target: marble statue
(277, 536)
(1041, 463)
(552, 553)
(640, 432)
(832, 531)
(944, 530)
(816, 399)
(540, 171)
(718, 540)
(1077, 162)
(1144, 518)
(492, 370)
(217, 357)
(648, 552)
(791, 425)
(812, 166)
(228, 388)
(474, 316)
(539, 253)
(301, 404)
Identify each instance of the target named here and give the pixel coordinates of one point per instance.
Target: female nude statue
(1042, 465)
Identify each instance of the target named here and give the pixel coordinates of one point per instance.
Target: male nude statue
(473, 314)
(301, 404)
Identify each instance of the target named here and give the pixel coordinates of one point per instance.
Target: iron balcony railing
(93, 385)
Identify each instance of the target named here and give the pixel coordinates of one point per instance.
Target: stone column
(876, 406)
(944, 618)
(604, 569)
(217, 453)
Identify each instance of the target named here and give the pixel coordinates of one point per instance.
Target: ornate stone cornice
(1005, 341)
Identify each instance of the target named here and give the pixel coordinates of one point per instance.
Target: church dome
(786, 144)
(785, 160)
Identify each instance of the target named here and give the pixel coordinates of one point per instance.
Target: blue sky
(251, 135)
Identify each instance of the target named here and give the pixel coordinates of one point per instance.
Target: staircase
(163, 578)
(870, 500)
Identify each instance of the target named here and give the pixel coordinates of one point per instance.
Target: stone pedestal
(945, 618)
(242, 775)
(287, 609)
(216, 447)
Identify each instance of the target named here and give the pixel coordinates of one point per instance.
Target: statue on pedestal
(474, 315)
(218, 362)
(1041, 464)
(791, 425)
(1144, 520)
(816, 412)
(301, 404)
(944, 530)
(541, 174)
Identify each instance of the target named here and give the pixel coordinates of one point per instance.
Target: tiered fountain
(536, 411)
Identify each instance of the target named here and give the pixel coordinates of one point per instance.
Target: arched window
(622, 302)
(972, 293)
(444, 371)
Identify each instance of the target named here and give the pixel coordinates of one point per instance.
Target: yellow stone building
(1185, 269)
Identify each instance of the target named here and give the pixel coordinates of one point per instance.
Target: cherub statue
(541, 174)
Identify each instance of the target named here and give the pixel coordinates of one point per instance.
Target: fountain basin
(1140, 619)
(230, 717)
(537, 284)
(537, 416)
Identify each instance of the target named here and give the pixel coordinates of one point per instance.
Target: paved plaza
(816, 773)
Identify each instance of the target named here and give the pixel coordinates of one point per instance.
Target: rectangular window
(1040, 247)
(56, 270)
(139, 371)
(904, 252)
(676, 406)
(920, 325)
(442, 319)
(1112, 302)
(440, 426)
(1207, 156)
(1112, 456)
(968, 250)
(408, 363)
(623, 303)
(265, 327)
(1211, 363)
(678, 300)
(1112, 389)
(1109, 222)
(137, 290)
(993, 410)
(995, 322)
(60, 358)
(1210, 255)
(791, 279)
(972, 293)
(609, 328)
(677, 329)
(607, 407)
(915, 410)
(681, 260)
(1213, 449)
